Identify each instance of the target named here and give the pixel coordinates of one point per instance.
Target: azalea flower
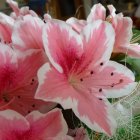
(35, 126)
(81, 76)
(18, 80)
(122, 26)
(19, 12)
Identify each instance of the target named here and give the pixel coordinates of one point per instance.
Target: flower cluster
(48, 62)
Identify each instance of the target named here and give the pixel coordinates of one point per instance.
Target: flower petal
(14, 6)
(8, 67)
(76, 24)
(6, 26)
(112, 10)
(120, 80)
(123, 30)
(97, 12)
(61, 43)
(51, 124)
(98, 40)
(53, 86)
(10, 123)
(48, 90)
(31, 26)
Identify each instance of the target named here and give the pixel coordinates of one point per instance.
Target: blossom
(81, 76)
(122, 26)
(18, 80)
(35, 126)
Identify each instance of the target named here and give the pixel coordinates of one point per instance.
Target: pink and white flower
(35, 126)
(81, 76)
(18, 80)
(122, 26)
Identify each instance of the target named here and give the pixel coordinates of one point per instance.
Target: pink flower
(18, 80)
(35, 126)
(19, 12)
(80, 75)
(121, 24)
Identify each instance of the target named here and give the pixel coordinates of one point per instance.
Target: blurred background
(63, 9)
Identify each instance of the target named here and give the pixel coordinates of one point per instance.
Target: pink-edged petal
(76, 24)
(11, 123)
(14, 6)
(27, 33)
(134, 50)
(48, 78)
(99, 116)
(98, 11)
(117, 80)
(112, 10)
(29, 63)
(51, 124)
(61, 43)
(6, 26)
(123, 30)
(98, 40)
(53, 86)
